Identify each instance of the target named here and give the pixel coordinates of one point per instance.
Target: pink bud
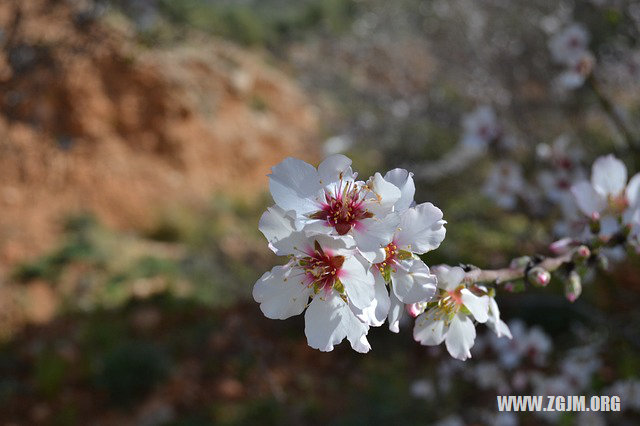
(539, 276)
(543, 278)
(583, 251)
(595, 216)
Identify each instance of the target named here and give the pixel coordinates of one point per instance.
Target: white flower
(480, 127)
(421, 230)
(336, 278)
(347, 241)
(450, 318)
(576, 73)
(330, 201)
(568, 46)
(608, 196)
(561, 154)
(505, 183)
(565, 169)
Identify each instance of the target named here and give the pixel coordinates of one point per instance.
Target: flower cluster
(353, 251)
(570, 48)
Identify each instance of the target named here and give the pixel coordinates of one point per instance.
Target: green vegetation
(213, 255)
(255, 23)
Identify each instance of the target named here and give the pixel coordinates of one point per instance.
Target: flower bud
(581, 254)
(573, 286)
(538, 276)
(594, 224)
(561, 246)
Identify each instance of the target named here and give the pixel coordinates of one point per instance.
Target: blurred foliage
(251, 23)
(212, 255)
(131, 370)
(165, 316)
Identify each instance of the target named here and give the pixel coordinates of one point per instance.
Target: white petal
(375, 256)
(281, 292)
(377, 312)
(294, 185)
(478, 305)
(373, 233)
(358, 282)
(413, 282)
(428, 331)
(278, 228)
(633, 191)
(334, 168)
(460, 337)
(495, 323)
(404, 181)
(332, 245)
(329, 320)
(421, 228)
(449, 277)
(396, 312)
(382, 196)
(608, 226)
(588, 199)
(569, 79)
(609, 175)
(502, 329)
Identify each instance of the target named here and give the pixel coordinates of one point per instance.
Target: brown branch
(500, 276)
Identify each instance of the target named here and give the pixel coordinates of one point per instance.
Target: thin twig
(500, 276)
(613, 115)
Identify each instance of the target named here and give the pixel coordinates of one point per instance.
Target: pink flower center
(322, 268)
(456, 296)
(618, 203)
(391, 251)
(344, 209)
(563, 184)
(574, 42)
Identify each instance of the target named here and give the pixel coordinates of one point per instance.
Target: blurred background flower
(135, 140)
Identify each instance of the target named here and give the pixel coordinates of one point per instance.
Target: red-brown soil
(91, 121)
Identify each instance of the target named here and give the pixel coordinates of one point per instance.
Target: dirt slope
(91, 122)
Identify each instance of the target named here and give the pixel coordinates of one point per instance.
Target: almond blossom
(480, 127)
(505, 183)
(570, 48)
(328, 200)
(421, 230)
(348, 241)
(336, 279)
(450, 317)
(568, 45)
(608, 198)
(575, 73)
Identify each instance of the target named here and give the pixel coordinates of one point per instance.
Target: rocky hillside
(91, 121)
